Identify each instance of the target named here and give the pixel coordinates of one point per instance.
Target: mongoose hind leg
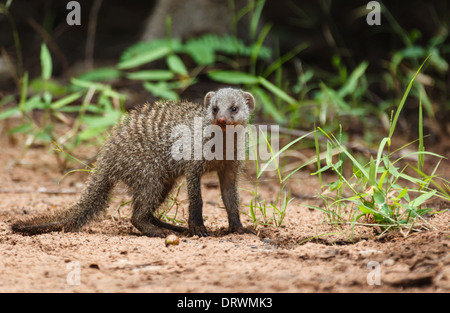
(144, 220)
(145, 202)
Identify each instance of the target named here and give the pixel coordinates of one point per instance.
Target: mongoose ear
(208, 97)
(249, 100)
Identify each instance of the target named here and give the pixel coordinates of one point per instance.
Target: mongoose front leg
(195, 222)
(230, 197)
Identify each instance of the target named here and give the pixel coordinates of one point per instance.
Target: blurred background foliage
(307, 62)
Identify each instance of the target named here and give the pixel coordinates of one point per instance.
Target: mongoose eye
(215, 110)
(234, 109)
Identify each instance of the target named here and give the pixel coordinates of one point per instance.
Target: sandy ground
(111, 256)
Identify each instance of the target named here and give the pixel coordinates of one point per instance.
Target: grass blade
(420, 159)
(277, 91)
(145, 57)
(233, 77)
(281, 151)
(65, 101)
(402, 102)
(316, 143)
(46, 62)
(422, 198)
(176, 65)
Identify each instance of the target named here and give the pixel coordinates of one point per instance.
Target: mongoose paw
(240, 230)
(200, 231)
(236, 229)
(157, 232)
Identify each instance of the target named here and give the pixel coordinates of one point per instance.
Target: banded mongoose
(139, 152)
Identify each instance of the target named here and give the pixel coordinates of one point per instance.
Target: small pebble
(172, 240)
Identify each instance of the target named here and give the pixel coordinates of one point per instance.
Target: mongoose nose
(221, 120)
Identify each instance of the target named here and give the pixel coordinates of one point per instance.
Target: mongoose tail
(28, 227)
(94, 200)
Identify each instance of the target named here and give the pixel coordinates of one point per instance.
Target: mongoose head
(228, 106)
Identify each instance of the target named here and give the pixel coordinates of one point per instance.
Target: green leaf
(20, 129)
(280, 61)
(145, 57)
(151, 75)
(403, 193)
(65, 101)
(23, 91)
(393, 170)
(46, 62)
(90, 133)
(329, 157)
(233, 77)
(258, 44)
(355, 163)
(385, 210)
(422, 198)
(334, 186)
(226, 44)
(366, 209)
(47, 97)
(7, 99)
(142, 47)
(39, 85)
(98, 121)
(402, 102)
(378, 197)
(372, 172)
(9, 112)
(268, 106)
(437, 61)
(44, 134)
(176, 65)
(322, 169)
(412, 179)
(382, 178)
(385, 141)
(277, 91)
(203, 49)
(101, 74)
(34, 102)
(161, 90)
(352, 82)
(202, 55)
(105, 89)
(281, 151)
(86, 84)
(254, 22)
(420, 159)
(338, 165)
